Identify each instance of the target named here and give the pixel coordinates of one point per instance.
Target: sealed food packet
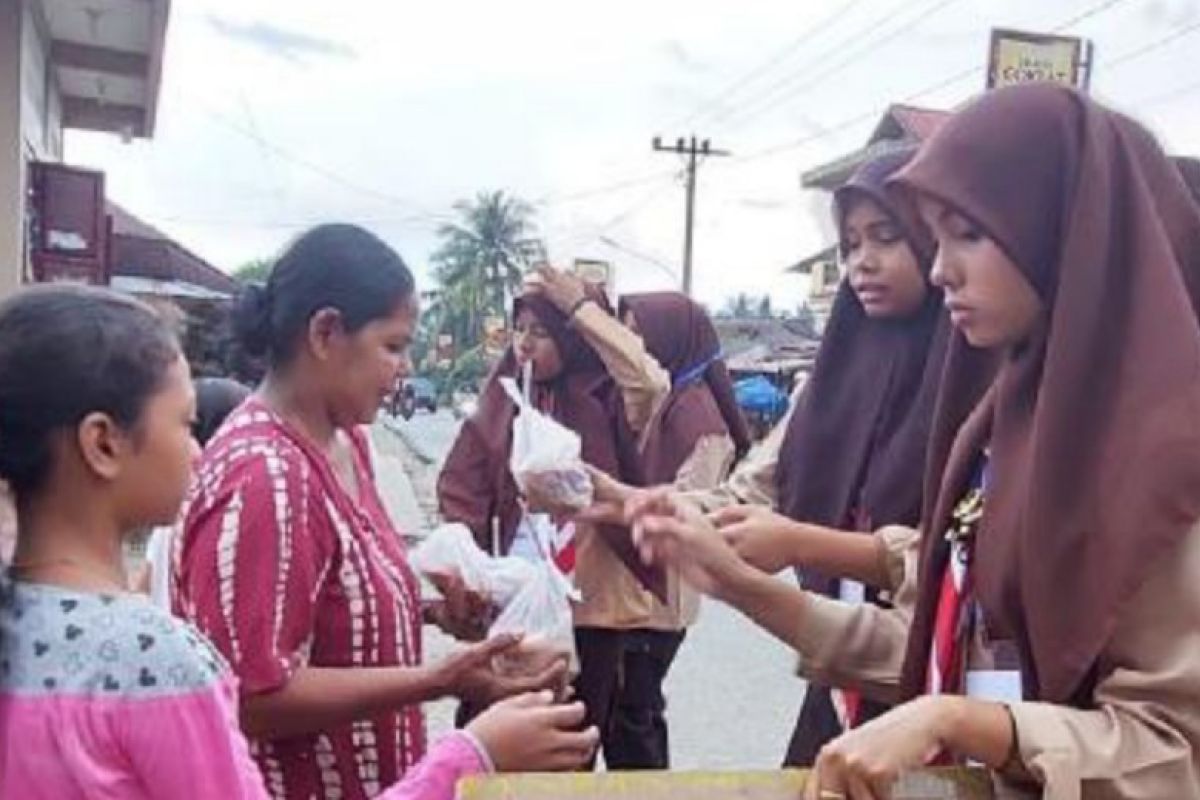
(546, 461)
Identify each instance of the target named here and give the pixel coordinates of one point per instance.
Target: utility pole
(691, 148)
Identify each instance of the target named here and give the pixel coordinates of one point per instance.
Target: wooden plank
(951, 784)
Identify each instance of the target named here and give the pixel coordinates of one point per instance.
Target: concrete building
(93, 65)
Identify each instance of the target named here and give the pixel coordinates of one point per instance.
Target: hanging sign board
(1019, 57)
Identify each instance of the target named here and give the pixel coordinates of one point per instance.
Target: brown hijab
(476, 486)
(856, 442)
(1189, 168)
(681, 337)
(1092, 425)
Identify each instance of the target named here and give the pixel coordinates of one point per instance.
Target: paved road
(732, 694)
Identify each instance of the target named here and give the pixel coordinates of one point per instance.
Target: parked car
(413, 395)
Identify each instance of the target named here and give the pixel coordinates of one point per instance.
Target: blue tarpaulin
(758, 395)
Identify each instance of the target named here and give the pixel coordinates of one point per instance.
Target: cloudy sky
(277, 114)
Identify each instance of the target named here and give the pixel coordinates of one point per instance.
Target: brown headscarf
(680, 335)
(855, 446)
(1189, 168)
(476, 485)
(1093, 425)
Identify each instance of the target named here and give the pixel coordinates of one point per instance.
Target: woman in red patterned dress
(288, 561)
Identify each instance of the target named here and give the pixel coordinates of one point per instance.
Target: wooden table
(952, 784)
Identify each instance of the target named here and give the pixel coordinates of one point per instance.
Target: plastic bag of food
(541, 613)
(451, 551)
(546, 459)
(530, 595)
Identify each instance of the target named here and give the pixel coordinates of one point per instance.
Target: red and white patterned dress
(282, 568)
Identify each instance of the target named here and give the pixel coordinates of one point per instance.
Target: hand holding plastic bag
(541, 611)
(451, 551)
(533, 597)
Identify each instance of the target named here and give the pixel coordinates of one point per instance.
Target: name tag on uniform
(852, 592)
(997, 685)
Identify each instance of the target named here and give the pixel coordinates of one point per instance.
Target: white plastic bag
(541, 613)
(533, 596)
(546, 459)
(451, 550)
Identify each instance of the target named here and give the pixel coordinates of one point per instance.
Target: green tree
(255, 270)
(479, 266)
(764, 307)
(477, 269)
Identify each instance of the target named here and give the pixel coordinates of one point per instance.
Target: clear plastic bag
(541, 612)
(451, 551)
(546, 459)
(532, 595)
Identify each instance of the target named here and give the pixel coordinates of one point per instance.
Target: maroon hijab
(476, 485)
(680, 335)
(854, 450)
(1092, 425)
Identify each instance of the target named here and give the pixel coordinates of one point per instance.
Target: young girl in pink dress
(103, 694)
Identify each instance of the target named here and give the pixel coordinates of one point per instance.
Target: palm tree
(477, 269)
(480, 257)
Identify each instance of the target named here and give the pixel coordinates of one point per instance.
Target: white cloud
(441, 100)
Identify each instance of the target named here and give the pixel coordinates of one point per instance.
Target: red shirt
(282, 568)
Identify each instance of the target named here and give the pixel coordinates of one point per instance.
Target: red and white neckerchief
(560, 547)
(847, 703)
(946, 673)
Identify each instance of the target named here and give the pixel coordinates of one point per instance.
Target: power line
(958, 77)
(764, 67)
(825, 54)
(594, 233)
(318, 169)
(853, 57)
(658, 262)
(1173, 94)
(609, 188)
(415, 221)
(874, 113)
(1086, 14)
(1157, 44)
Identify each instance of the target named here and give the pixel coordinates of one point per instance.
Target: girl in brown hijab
(476, 487)
(851, 453)
(854, 449)
(1189, 168)
(693, 438)
(1062, 513)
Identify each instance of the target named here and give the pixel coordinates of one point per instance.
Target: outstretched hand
(674, 533)
(469, 673)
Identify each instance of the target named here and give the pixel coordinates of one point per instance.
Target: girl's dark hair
(216, 398)
(331, 266)
(66, 352)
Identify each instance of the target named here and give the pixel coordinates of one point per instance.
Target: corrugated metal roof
(140, 250)
(918, 123)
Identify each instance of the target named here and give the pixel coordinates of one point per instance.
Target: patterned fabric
(283, 569)
(103, 645)
(108, 696)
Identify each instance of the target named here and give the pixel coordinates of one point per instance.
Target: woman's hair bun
(252, 319)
